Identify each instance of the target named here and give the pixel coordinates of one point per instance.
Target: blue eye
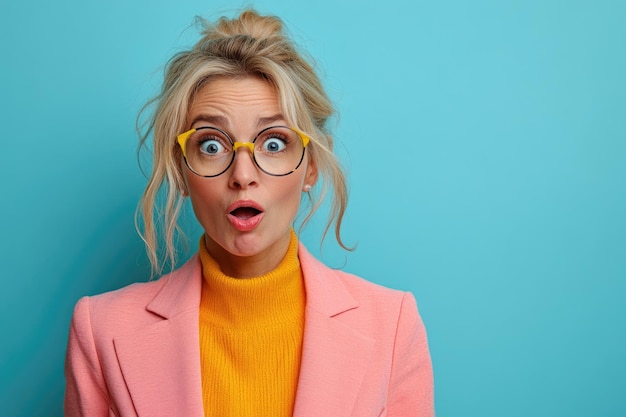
(211, 147)
(273, 145)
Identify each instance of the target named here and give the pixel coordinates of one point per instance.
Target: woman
(252, 325)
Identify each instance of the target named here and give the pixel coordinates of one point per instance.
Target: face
(246, 214)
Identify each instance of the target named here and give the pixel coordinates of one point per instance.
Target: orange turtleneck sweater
(251, 338)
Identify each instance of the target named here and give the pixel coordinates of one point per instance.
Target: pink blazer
(135, 351)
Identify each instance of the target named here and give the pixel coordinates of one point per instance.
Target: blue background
(486, 147)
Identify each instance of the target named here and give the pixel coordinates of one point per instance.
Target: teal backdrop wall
(486, 147)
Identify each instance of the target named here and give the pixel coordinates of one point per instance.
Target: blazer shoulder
(369, 293)
(333, 289)
(137, 294)
(116, 311)
(130, 307)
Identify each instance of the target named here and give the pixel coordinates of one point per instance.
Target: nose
(244, 172)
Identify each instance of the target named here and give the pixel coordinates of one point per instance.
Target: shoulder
(360, 299)
(364, 289)
(130, 307)
(124, 300)
(356, 285)
(133, 295)
(378, 303)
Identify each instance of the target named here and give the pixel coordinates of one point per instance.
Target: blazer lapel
(335, 356)
(161, 362)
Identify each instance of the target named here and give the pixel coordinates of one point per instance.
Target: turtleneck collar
(271, 299)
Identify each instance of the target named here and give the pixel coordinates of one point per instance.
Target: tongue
(244, 213)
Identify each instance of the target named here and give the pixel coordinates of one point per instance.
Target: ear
(310, 177)
(183, 186)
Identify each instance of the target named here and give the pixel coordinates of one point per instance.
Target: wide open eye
(210, 142)
(212, 147)
(273, 145)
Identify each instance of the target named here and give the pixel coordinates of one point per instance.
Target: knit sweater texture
(251, 338)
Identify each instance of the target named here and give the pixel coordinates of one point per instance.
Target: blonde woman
(252, 324)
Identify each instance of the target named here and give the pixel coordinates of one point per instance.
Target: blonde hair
(247, 45)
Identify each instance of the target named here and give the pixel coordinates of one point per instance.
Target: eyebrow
(263, 121)
(210, 119)
(223, 121)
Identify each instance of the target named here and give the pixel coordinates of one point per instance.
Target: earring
(307, 188)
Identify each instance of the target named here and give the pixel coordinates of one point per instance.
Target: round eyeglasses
(276, 150)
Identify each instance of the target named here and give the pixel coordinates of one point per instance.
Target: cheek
(203, 195)
(290, 194)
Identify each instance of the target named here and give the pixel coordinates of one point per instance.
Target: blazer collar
(335, 356)
(325, 291)
(181, 290)
(161, 361)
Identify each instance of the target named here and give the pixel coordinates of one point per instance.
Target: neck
(249, 266)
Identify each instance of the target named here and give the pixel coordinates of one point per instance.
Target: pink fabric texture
(135, 351)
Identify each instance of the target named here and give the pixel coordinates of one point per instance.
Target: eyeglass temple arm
(182, 140)
(304, 137)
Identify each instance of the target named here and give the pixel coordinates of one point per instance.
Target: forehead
(234, 101)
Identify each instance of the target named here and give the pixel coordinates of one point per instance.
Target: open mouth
(245, 213)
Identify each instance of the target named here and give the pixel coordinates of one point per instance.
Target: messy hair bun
(249, 23)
